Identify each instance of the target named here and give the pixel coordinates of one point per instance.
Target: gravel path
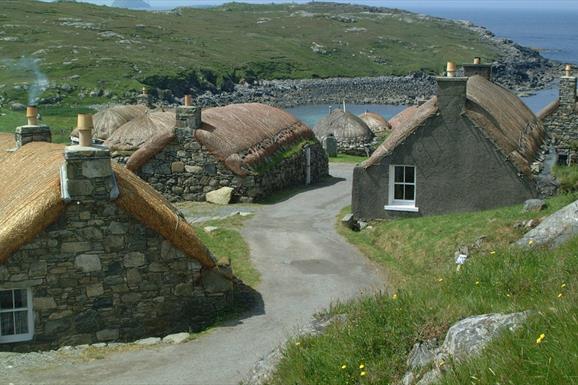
(305, 265)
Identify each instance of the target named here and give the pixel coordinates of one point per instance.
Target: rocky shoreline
(518, 68)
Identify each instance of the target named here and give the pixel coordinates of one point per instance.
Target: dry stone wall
(562, 126)
(186, 170)
(99, 275)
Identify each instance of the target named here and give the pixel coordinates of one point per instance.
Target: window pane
(6, 300)
(6, 324)
(20, 298)
(409, 174)
(398, 191)
(21, 322)
(409, 192)
(399, 173)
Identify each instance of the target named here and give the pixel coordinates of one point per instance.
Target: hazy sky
(535, 4)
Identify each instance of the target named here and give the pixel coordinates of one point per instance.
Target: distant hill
(131, 4)
(93, 53)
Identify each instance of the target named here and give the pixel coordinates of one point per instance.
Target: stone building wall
(360, 147)
(185, 170)
(97, 275)
(562, 126)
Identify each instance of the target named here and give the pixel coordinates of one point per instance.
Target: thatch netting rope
(344, 125)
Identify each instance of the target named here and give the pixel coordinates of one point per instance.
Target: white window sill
(411, 209)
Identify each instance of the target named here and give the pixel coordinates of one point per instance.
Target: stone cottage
(468, 148)
(353, 135)
(560, 117)
(254, 149)
(91, 253)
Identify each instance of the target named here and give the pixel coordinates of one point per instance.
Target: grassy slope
(430, 295)
(267, 41)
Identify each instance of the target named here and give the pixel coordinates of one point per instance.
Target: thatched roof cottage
(468, 148)
(90, 253)
(376, 123)
(560, 117)
(254, 149)
(352, 134)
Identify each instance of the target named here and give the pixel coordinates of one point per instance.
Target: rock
(94, 290)
(193, 169)
(554, 230)
(88, 263)
(430, 377)
(99, 345)
(362, 225)
(470, 335)
(221, 196)
(421, 355)
(148, 341)
(177, 167)
(245, 213)
(177, 338)
(107, 334)
(43, 303)
(348, 220)
(210, 229)
(134, 259)
(534, 205)
(17, 107)
(408, 378)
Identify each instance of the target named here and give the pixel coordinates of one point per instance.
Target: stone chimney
(188, 115)
(32, 132)
(451, 92)
(568, 90)
(483, 70)
(87, 174)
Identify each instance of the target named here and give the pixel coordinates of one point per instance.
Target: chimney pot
(188, 101)
(85, 126)
(451, 69)
(32, 115)
(477, 60)
(568, 70)
(145, 91)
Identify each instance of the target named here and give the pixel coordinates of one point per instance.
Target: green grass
(568, 177)
(345, 158)
(61, 120)
(427, 294)
(227, 242)
(83, 47)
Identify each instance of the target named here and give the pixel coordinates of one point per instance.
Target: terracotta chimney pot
(32, 115)
(568, 69)
(188, 101)
(451, 69)
(477, 60)
(85, 126)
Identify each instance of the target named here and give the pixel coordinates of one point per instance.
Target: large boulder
(221, 196)
(534, 205)
(554, 230)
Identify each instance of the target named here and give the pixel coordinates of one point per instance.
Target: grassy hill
(99, 52)
(428, 295)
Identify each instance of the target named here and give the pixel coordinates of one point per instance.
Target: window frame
(29, 318)
(401, 204)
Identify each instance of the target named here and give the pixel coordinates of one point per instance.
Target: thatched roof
(344, 125)
(7, 142)
(133, 134)
(240, 135)
(402, 117)
(110, 119)
(376, 123)
(30, 200)
(503, 117)
(243, 135)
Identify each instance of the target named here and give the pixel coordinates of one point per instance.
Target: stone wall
(186, 170)
(562, 126)
(99, 275)
(360, 147)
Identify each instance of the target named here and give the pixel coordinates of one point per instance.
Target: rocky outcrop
(464, 339)
(554, 230)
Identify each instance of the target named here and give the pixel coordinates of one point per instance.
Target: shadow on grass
(289, 193)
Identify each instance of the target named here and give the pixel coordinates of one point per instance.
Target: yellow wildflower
(492, 252)
(440, 279)
(297, 343)
(530, 241)
(477, 282)
(563, 285)
(361, 366)
(508, 295)
(394, 296)
(362, 374)
(343, 366)
(560, 295)
(540, 339)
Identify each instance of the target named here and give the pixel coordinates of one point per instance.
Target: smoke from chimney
(40, 83)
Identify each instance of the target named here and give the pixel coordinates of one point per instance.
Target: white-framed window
(16, 317)
(402, 188)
